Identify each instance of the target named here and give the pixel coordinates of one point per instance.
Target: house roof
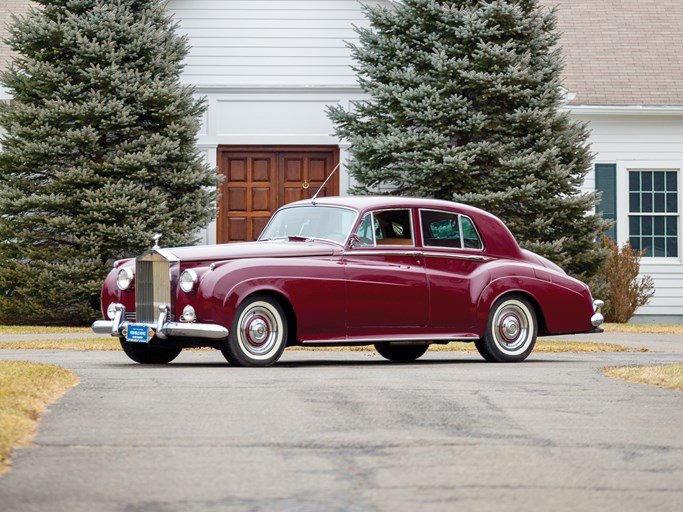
(622, 52)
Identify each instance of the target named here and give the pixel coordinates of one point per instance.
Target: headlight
(188, 280)
(125, 278)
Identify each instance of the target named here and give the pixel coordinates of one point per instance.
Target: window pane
(658, 181)
(634, 202)
(634, 225)
(646, 223)
(394, 227)
(660, 247)
(440, 229)
(660, 202)
(469, 234)
(634, 181)
(671, 181)
(659, 225)
(672, 247)
(672, 203)
(647, 245)
(647, 203)
(671, 226)
(646, 181)
(635, 243)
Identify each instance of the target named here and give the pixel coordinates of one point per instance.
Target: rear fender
(561, 309)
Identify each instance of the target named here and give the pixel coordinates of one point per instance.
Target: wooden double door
(257, 180)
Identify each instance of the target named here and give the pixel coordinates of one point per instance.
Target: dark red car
(396, 273)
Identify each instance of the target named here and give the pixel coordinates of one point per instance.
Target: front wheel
(259, 333)
(510, 331)
(146, 354)
(400, 351)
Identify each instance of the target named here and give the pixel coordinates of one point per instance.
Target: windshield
(320, 222)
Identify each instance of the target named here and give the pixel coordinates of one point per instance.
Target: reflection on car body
(396, 273)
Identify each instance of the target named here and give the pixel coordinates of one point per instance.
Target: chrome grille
(153, 286)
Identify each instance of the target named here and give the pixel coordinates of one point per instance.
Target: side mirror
(354, 240)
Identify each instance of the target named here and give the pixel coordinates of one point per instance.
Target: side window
(387, 227)
(446, 229)
(470, 236)
(365, 232)
(440, 229)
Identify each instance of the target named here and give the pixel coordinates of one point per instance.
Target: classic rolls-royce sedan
(397, 273)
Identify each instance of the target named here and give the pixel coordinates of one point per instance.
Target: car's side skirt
(467, 337)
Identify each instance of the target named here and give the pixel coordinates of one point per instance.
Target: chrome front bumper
(597, 319)
(162, 329)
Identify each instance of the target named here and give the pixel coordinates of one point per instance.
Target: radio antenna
(315, 196)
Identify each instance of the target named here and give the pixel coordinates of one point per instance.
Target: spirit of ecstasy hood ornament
(156, 240)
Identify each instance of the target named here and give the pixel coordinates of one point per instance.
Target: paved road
(326, 431)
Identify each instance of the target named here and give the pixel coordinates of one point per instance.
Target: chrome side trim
(370, 252)
(400, 339)
(426, 254)
(456, 256)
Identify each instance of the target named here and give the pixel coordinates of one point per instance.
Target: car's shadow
(312, 363)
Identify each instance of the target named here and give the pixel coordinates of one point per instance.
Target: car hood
(266, 249)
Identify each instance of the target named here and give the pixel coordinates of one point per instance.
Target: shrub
(618, 283)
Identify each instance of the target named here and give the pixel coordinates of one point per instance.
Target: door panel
(385, 290)
(304, 173)
(258, 180)
(248, 194)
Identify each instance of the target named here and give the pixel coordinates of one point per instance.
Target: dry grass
(645, 328)
(34, 329)
(87, 344)
(25, 390)
(667, 376)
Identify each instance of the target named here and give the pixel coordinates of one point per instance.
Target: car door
(386, 285)
(453, 255)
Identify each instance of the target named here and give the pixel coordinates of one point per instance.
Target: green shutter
(606, 182)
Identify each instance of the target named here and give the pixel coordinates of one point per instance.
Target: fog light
(188, 314)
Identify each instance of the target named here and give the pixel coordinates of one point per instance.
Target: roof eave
(658, 110)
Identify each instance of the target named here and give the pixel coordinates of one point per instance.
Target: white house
(268, 69)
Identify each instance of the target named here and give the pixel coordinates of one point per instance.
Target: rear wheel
(144, 353)
(259, 333)
(510, 331)
(400, 351)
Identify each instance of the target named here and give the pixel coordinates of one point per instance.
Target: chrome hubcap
(512, 327)
(258, 330)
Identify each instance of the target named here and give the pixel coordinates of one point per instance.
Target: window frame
(375, 245)
(624, 167)
(462, 235)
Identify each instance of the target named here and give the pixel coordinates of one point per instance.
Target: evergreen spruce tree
(98, 155)
(464, 104)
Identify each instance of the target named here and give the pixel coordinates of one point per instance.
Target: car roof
(498, 240)
(378, 202)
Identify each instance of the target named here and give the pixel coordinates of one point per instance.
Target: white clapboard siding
(626, 140)
(269, 43)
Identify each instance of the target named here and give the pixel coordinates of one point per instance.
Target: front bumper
(162, 328)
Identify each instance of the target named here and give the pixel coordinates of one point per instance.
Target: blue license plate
(137, 333)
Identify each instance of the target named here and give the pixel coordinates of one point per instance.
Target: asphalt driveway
(350, 431)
